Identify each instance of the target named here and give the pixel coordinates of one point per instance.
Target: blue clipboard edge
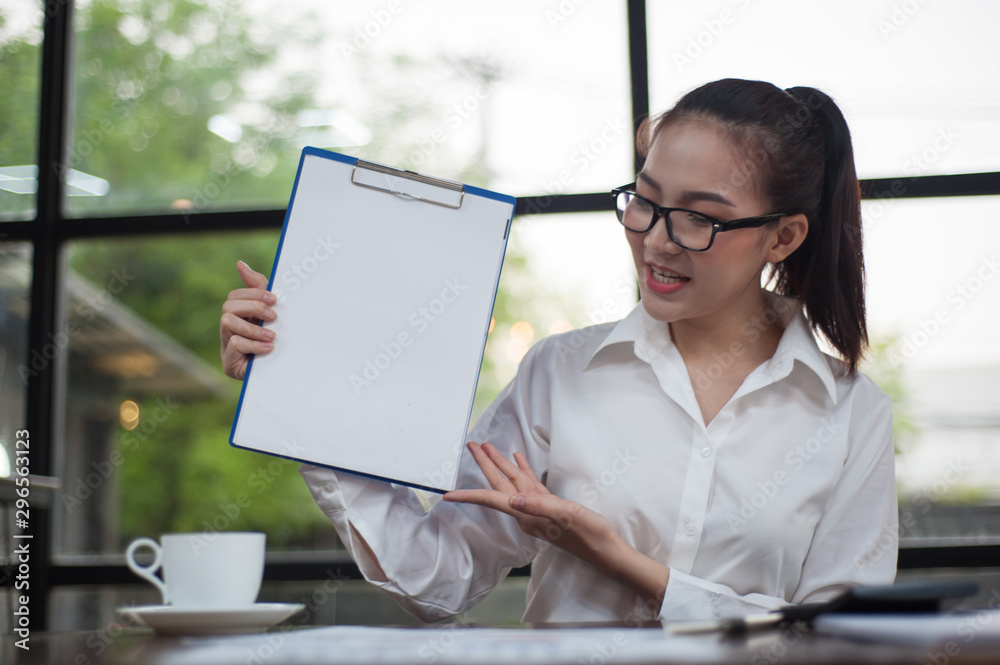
(434, 490)
(336, 156)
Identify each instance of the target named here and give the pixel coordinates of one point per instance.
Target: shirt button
(706, 452)
(689, 529)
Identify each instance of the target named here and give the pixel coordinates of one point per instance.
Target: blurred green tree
(20, 64)
(883, 367)
(155, 83)
(169, 111)
(150, 78)
(182, 475)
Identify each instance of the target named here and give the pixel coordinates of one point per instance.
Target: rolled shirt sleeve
(436, 563)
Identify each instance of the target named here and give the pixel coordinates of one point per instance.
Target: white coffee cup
(204, 570)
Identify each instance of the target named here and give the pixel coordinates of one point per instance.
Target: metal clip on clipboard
(408, 184)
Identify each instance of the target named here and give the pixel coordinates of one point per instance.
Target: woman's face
(691, 166)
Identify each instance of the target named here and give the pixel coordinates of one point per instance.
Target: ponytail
(828, 273)
(801, 147)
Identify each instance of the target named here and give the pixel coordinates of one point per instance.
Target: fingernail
(517, 501)
(268, 334)
(271, 314)
(245, 265)
(270, 298)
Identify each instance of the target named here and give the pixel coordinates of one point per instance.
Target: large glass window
(15, 366)
(177, 107)
(148, 409)
(560, 272)
(192, 106)
(913, 111)
(20, 71)
(15, 359)
(933, 289)
(908, 75)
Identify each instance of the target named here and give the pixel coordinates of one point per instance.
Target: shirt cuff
(691, 598)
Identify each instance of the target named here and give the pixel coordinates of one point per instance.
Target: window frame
(50, 230)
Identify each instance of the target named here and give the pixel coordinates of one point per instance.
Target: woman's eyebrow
(648, 180)
(707, 196)
(691, 195)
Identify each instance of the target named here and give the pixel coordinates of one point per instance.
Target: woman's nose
(658, 239)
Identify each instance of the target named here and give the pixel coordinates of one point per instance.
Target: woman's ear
(791, 233)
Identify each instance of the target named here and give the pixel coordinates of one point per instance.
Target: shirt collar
(650, 337)
(647, 335)
(799, 344)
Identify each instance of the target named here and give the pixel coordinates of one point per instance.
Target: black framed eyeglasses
(690, 229)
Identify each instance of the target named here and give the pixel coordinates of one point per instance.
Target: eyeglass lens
(688, 229)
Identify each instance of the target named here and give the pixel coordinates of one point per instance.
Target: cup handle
(147, 572)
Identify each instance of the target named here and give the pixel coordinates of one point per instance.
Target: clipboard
(385, 281)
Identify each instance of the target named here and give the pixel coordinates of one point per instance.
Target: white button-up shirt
(788, 495)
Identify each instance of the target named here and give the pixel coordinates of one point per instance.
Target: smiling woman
(175, 107)
(713, 381)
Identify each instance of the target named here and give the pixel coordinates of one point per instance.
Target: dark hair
(798, 154)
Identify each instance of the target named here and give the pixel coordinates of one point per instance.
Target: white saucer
(169, 620)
